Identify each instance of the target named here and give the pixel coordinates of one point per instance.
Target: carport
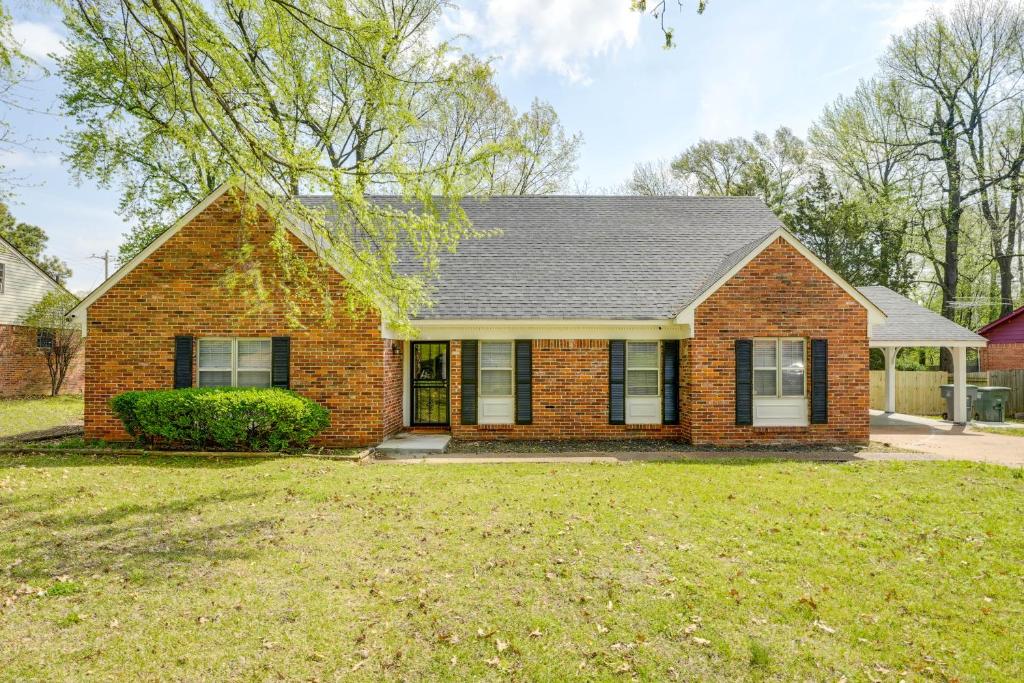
(910, 325)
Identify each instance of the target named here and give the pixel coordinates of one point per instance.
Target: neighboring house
(22, 364)
(1005, 350)
(691, 318)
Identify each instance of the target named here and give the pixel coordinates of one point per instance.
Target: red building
(1005, 342)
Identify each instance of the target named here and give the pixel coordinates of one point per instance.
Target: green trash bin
(947, 393)
(990, 405)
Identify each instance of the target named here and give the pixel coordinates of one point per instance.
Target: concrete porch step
(410, 444)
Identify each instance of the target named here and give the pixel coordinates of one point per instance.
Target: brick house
(23, 369)
(1005, 350)
(690, 318)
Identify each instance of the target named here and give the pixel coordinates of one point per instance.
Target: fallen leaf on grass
(500, 645)
(701, 641)
(536, 633)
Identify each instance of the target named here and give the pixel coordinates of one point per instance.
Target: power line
(106, 262)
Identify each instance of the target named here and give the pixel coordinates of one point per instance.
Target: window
(44, 339)
(496, 404)
(779, 368)
(642, 369)
(3, 277)
(496, 369)
(643, 385)
(234, 362)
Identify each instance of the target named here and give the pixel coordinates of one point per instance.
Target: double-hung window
(643, 382)
(496, 382)
(780, 380)
(234, 362)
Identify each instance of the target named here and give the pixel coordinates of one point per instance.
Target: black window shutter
(469, 372)
(617, 382)
(280, 362)
(524, 382)
(819, 381)
(744, 382)
(670, 382)
(182, 362)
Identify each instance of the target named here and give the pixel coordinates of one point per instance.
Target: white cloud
(37, 40)
(561, 36)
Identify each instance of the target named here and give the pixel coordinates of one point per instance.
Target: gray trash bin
(991, 403)
(947, 393)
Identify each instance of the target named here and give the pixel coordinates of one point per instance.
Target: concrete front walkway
(944, 440)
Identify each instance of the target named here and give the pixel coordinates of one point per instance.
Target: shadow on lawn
(134, 540)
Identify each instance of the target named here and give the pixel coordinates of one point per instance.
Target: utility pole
(106, 262)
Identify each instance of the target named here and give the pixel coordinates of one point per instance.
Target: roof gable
(1009, 327)
(734, 262)
(31, 264)
(162, 238)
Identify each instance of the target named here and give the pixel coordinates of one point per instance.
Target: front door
(429, 384)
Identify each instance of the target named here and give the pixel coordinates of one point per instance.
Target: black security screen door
(429, 383)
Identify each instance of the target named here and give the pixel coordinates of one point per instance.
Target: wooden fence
(917, 393)
(1014, 379)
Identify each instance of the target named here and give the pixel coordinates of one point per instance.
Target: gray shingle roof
(910, 322)
(591, 257)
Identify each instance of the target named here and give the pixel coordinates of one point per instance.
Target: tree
(847, 236)
(654, 179)
(59, 338)
(31, 241)
(283, 95)
(658, 10)
(770, 167)
(958, 71)
(12, 71)
(529, 153)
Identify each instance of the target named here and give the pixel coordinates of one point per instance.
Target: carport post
(960, 385)
(890, 353)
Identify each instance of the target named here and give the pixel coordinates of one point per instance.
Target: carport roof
(910, 324)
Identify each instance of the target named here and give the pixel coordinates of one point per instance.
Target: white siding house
(22, 284)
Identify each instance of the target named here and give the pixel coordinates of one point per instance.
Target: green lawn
(310, 569)
(31, 414)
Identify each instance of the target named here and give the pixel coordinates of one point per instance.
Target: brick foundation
(23, 370)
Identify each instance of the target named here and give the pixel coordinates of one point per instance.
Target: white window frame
(3, 277)
(234, 359)
(645, 409)
(498, 409)
(779, 410)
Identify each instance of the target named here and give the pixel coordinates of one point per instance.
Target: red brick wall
(570, 397)
(179, 290)
(394, 358)
(1002, 357)
(23, 369)
(778, 294)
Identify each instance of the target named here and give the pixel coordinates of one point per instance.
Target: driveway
(944, 440)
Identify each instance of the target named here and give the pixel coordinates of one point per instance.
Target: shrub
(226, 418)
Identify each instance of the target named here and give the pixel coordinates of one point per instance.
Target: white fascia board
(441, 330)
(875, 314)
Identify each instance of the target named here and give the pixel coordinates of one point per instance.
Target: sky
(743, 65)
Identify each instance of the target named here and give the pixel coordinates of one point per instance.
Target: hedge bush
(225, 418)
